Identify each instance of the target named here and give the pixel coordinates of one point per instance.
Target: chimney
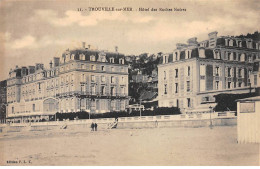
(84, 45)
(116, 48)
(39, 66)
(24, 71)
(31, 69)
(56, 61)
(213, 34)
(89, 46)
(192, 41)
(42, 66)
(180, 45)
(50, 64)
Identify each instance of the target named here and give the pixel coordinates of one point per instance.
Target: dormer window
(165, 59)
(103, 59)
(217, 55)
(226, 42)
(188, 54)
(239, 43)
(92, 58)
(82, 57)
(112, 60)
(230, 43)
(249, 44)
(67, 57)
(121, 61)
(72, 56)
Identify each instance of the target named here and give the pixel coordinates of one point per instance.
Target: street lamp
(211, 126)
(140, 108)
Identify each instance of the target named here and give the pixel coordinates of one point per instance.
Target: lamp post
(211, 126)
(250, 87)
(140, 108)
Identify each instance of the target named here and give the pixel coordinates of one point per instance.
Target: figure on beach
(95, 126)
(92, 126)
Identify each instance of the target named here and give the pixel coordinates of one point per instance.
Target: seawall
(123, 123)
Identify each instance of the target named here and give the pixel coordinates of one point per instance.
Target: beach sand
(155, 146)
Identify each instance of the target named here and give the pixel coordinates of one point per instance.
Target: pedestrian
(92, 126)
(95, 126)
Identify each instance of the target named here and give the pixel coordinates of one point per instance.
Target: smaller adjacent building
(248, 120)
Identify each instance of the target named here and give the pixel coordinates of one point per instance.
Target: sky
(36, 31)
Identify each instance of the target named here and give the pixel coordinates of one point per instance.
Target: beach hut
(248, 120)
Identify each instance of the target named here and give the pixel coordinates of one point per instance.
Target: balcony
(84, 94)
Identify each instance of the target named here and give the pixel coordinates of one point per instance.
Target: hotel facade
(193, 73)
(81, 80)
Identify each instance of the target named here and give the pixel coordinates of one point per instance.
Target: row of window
(233, 56)
(229, 85)
(92, 58)
(112, 91)
(229, 71)
(93, 104)
(176, 72)
(83, 79)
(176, 56)
(188, 87)
(68, 67)
(249, 44)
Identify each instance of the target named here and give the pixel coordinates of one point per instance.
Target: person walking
(92, 126)
(95, 126)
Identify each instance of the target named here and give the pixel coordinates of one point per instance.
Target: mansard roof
(194, 54)
(96, 53)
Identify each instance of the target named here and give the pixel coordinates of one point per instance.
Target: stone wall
(121, 125)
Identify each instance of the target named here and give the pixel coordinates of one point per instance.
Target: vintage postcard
(129, 83)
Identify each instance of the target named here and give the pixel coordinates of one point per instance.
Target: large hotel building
(81, 80)
(193, 73)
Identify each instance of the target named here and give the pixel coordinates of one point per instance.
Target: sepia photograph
(129, 83)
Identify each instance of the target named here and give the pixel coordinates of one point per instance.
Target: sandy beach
(159, 146)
